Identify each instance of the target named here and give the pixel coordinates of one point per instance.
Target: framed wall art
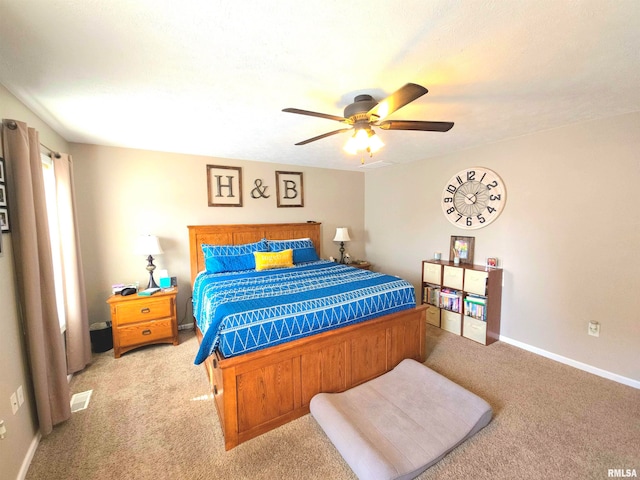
(462, 248)
(4, 211)
(289, 189)
(4, 220)
(224, 186)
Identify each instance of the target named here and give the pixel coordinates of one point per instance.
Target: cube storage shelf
(463, 299)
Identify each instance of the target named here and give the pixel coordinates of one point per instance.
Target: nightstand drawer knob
(145, 310)
(215, 389)
(215, 363)
(146, 332)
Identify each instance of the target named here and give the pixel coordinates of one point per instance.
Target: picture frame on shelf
(462, 247)
(4, 220)
(3, 195)
(492, 262)
(224, 186)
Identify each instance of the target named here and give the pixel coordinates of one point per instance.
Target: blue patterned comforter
(244, 311)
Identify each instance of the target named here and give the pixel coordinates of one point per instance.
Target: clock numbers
(473, 198)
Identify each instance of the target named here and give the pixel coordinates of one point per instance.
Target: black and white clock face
(473, 198)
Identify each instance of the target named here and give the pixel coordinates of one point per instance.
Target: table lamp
(342, 235)
(149, 245)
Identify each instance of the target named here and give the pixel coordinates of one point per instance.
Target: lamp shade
(148, 245)
(342, 235)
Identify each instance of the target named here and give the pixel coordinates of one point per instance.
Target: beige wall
(123, 193)
(21, 427)
(567, 238)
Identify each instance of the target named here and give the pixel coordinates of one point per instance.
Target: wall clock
(473, 198)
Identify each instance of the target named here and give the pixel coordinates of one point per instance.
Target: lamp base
(152, 282)
(150, 268)
(341, 252)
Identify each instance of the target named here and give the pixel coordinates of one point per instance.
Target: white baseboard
(26, 462)
(573, 363)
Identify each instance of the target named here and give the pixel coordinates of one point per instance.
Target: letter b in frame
(289, 189)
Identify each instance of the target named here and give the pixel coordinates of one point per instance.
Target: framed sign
(289, 189)
(224, 186)
(4, 212)
(462, 248)
(4, 220)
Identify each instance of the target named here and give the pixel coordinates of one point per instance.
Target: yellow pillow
(268, 260)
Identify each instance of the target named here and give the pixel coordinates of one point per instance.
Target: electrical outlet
(14, 403)
(20, 393)
(594, 329)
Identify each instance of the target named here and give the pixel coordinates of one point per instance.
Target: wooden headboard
(249, 233)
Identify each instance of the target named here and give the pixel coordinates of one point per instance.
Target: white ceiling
(210, 77)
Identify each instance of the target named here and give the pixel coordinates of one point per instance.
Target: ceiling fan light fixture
(363, 139)
(375, 143)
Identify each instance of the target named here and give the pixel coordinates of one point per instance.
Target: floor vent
(80, 401)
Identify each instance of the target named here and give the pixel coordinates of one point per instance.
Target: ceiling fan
(365, 113)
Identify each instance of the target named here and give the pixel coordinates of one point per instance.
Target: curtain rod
(12, 125)
(51, 152)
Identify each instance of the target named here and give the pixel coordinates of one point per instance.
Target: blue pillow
(232, 258)
(303, 249)
(242, 249)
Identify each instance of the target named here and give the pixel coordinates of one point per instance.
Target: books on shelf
(475, 306)
(450, 299)
(431, 295)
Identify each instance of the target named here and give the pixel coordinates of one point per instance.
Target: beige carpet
(151, 417)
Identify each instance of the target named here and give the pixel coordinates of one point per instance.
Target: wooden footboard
(259, 391)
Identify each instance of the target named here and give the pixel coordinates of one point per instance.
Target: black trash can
(101, 338)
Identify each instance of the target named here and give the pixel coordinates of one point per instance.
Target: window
(54, 234)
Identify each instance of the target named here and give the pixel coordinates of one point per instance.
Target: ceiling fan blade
(397, 100)
(315, 114)
(324, 135)
(415, 125)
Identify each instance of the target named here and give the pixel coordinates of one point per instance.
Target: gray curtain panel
(75, 303)
(34, 273)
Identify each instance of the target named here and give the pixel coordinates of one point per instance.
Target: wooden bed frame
(259, 391)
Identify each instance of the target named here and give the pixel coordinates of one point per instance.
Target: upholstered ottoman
(399, 424)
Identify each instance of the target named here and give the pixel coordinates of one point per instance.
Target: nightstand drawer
(141, 311)
(145, 332)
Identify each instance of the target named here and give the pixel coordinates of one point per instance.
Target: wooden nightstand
(363, 265)
(140, 320)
